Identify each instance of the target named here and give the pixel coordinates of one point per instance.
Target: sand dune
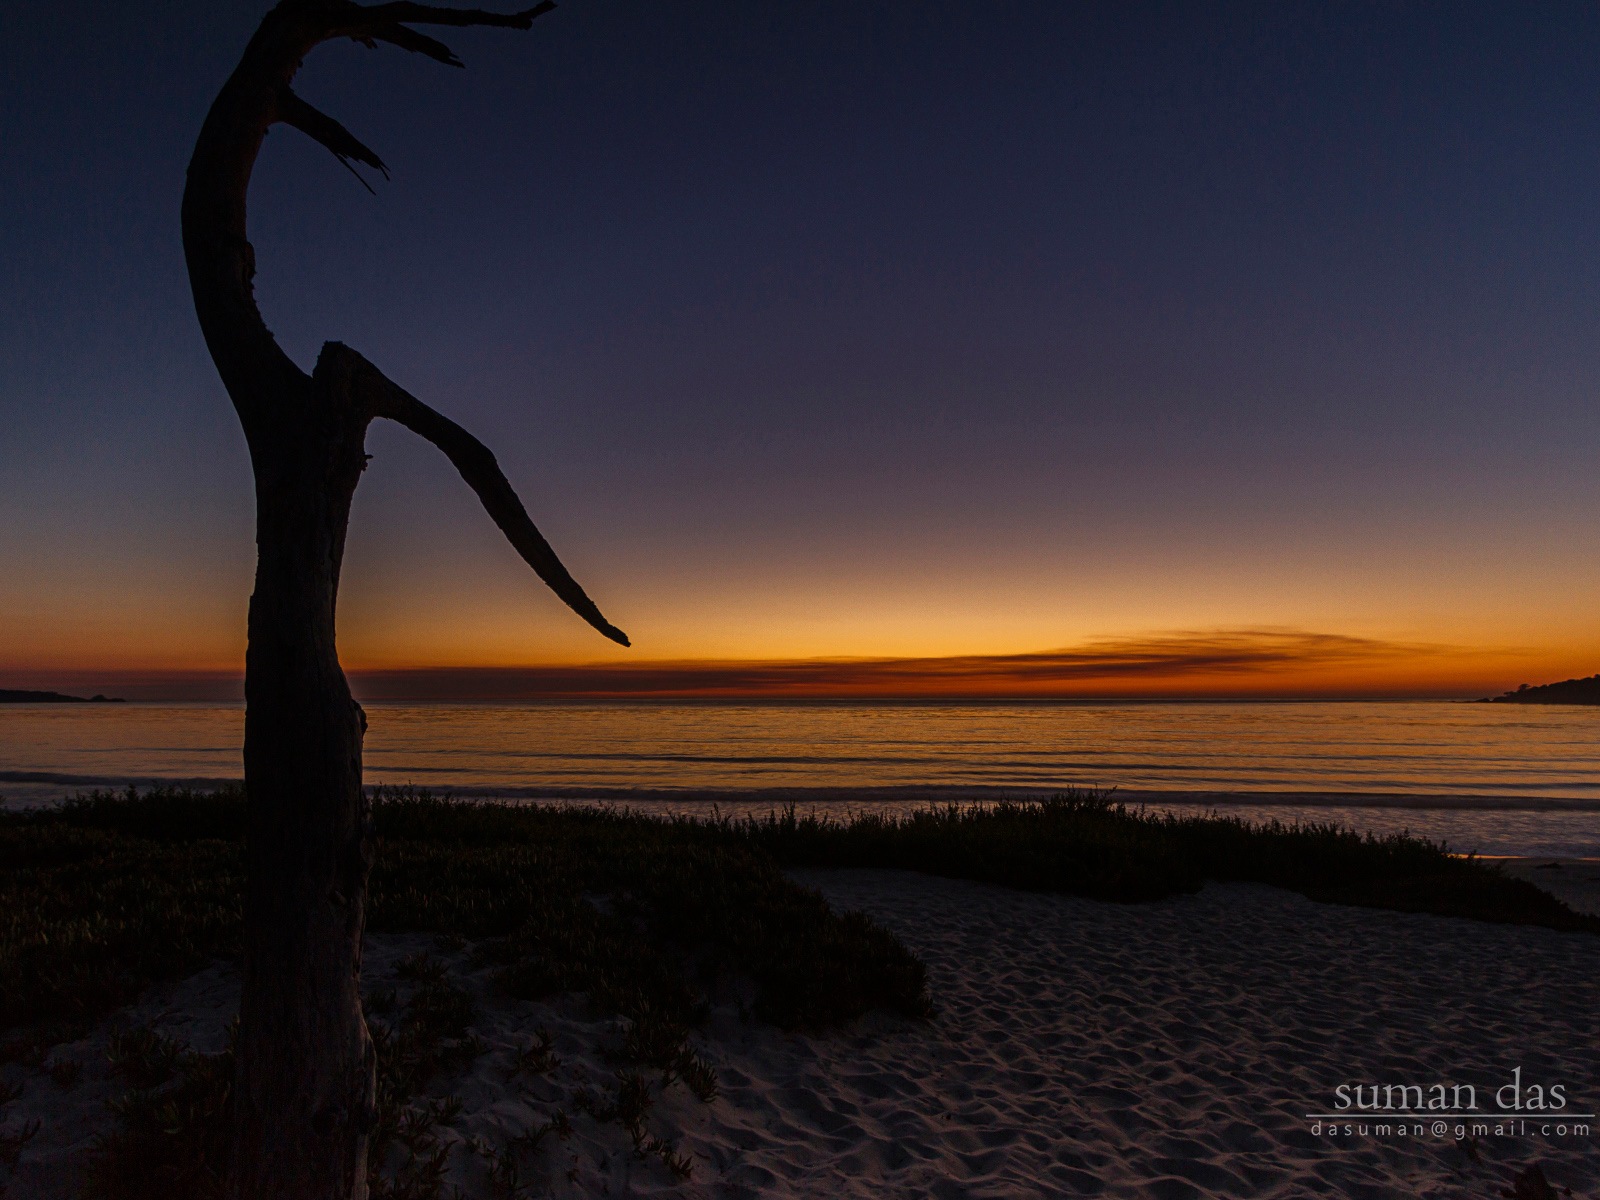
(1080, 1048)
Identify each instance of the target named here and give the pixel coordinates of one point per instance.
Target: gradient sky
(845, 330)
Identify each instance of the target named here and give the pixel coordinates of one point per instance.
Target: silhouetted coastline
(12, 696)
(1568, 691)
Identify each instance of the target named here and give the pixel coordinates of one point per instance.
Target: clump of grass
(419, 1174)
(106, 894)
(629, 1107)
(1076, 842)
(678, 895)
(409, 1162)
(160, 814)
(538, 1057)
(89, 918)
(1397, 871)
(169, 1132)
(503, 1163)
(426, 1037)
(1086, 843)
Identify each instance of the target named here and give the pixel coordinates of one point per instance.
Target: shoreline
(1504, 826)
(937, 793)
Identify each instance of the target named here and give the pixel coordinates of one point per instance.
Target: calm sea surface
(1498, 779)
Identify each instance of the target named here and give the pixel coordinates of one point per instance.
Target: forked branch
(417, 43)
(324, 130)
(387, 23)
(221, 263)
(476, 463)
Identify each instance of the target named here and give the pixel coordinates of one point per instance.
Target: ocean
(1494, 779)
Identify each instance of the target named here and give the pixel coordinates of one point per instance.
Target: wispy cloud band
(1263, 661)
(1224, 661)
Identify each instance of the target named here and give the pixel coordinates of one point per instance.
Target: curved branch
(325, 131)
(385, 398)
(254, 368)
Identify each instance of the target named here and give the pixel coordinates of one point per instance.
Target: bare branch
(417, 43)
(387, 23)
(483, 474)
(216, 246)
(323, 129)
(362, 19)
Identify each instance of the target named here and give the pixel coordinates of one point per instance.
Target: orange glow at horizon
(1221, 663)
(1161, 627)
(1238, 664)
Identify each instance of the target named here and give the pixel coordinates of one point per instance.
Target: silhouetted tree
(303, 1093)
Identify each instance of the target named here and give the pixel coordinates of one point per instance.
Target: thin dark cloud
(1260, 662)
(1184, 662)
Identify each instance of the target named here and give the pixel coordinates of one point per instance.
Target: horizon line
(1242, 664)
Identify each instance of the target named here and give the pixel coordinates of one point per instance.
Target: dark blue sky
(847, 328)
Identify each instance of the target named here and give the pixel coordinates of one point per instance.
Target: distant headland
(15, 697)
(1568, 691)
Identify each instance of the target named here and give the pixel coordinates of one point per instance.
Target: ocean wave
(118, 781)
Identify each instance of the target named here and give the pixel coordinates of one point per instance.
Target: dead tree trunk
(303, 1098)
(303, 1092)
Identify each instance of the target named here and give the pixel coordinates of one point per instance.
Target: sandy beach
(1162, 1050)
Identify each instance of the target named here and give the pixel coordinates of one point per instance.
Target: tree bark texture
(303, 1095)
(303, 1098)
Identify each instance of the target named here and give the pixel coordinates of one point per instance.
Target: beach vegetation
(104, 895)
(1087, 843)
